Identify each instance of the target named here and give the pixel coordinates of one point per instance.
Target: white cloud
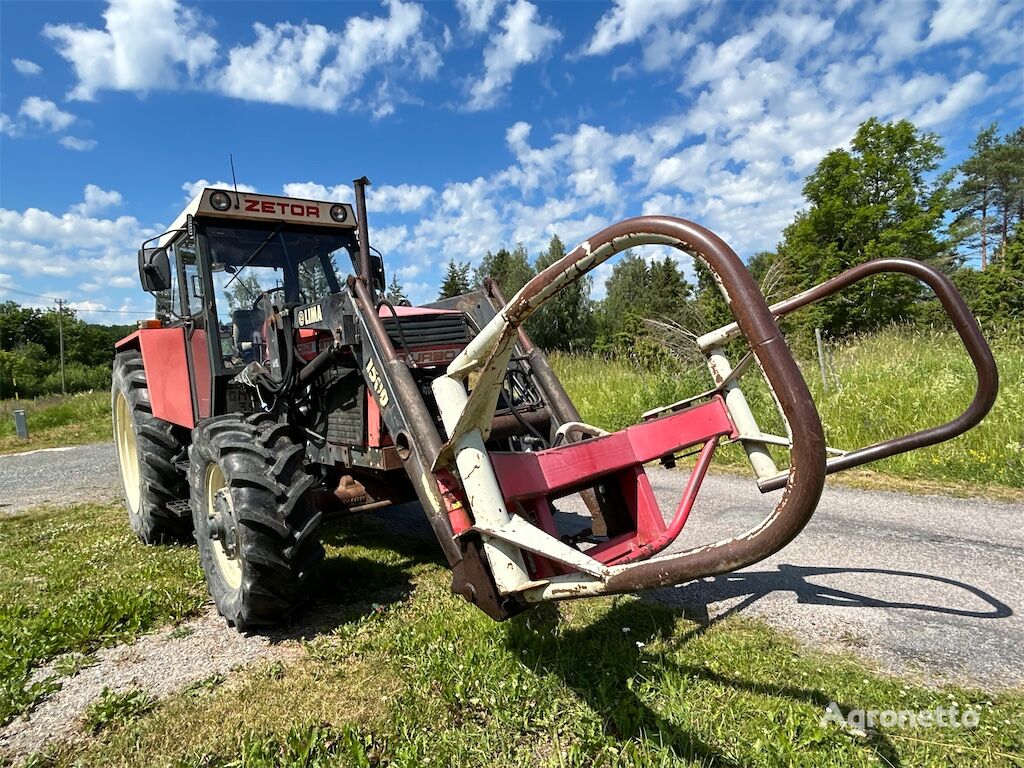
(630, 20)
(146, 45)
(151, 45)
(313, 191)
(388, 239)
(476, 14)
(26, 67)
(73, 245)
(899, 25)
(956, 19)
(402, 198)
(523, 40)
(310, 66)
(95, 200)
(45, 114)
(966, 92)
(76, 144)
(8, 127)
(193, 188)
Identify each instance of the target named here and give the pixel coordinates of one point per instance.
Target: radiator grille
(427, 330)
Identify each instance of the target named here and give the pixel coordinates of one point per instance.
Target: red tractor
(271, 389)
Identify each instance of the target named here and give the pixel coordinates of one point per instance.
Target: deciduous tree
(876, 200)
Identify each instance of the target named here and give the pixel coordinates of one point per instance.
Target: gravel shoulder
(58, 476)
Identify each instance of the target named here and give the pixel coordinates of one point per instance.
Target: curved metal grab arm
(966, 327)
(467, 417)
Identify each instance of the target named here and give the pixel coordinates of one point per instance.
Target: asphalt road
(924, 585)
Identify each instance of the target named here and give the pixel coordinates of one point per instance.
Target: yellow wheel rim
(127, 452)
(228, 564)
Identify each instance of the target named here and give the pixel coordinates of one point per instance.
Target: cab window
(185, 254)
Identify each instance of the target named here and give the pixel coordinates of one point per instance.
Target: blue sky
(481, 123)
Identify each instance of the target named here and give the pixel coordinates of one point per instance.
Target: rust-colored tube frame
(964, 324)
(755, 322)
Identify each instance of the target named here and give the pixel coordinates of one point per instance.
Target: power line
(68, 304)
(112, 311)
(60, 327)
(28, 293)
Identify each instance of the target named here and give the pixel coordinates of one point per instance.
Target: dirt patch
(161, 664)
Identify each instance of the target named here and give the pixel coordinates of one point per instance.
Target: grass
(403, 673)
(76, 579)
(56, 420)
(893, 382)
(113, 707)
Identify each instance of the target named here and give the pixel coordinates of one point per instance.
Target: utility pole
(60, 332)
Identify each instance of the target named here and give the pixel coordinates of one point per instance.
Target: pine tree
(396, 291)
(974, 200)
(619, 319)
(1007, 172)
(456, 279)
(668, 290)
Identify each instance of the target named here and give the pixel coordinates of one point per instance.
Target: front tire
(254, 523)
(147, 450)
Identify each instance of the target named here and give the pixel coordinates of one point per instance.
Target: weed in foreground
(116, 708)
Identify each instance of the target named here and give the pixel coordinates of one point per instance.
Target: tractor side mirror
(154, 269)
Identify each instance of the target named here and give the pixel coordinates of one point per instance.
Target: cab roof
(217, 203)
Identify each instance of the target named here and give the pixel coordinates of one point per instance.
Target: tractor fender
(166, 368)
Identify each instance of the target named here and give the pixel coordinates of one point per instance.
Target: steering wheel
(275, 289)
(258, 299)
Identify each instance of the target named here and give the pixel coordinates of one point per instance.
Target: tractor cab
(227, 268)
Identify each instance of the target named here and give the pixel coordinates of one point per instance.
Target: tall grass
(56, 420)
(892, 382)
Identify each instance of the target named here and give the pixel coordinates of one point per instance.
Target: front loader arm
(492, 509)
(467, 419)
(531, 562)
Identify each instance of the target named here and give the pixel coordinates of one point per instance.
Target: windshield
(245, 261)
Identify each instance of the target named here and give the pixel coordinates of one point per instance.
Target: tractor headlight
(339, 213)
(220, 201)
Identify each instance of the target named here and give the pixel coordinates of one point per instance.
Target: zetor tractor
(272, 389)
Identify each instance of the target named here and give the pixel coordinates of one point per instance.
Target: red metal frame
(530, 481)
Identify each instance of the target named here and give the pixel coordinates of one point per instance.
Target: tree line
(883, 197)
(30, 351)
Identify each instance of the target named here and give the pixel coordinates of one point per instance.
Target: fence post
(21, 424)
(821, 359)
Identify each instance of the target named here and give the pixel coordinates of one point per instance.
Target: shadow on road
(695, 597)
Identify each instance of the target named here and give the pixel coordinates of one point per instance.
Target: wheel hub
(223, 528)
(222, 524)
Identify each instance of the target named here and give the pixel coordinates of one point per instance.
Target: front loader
(270, 391)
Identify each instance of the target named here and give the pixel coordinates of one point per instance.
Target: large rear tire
(147, 450)
(254, 523)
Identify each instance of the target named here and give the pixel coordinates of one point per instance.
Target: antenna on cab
(234, 181)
